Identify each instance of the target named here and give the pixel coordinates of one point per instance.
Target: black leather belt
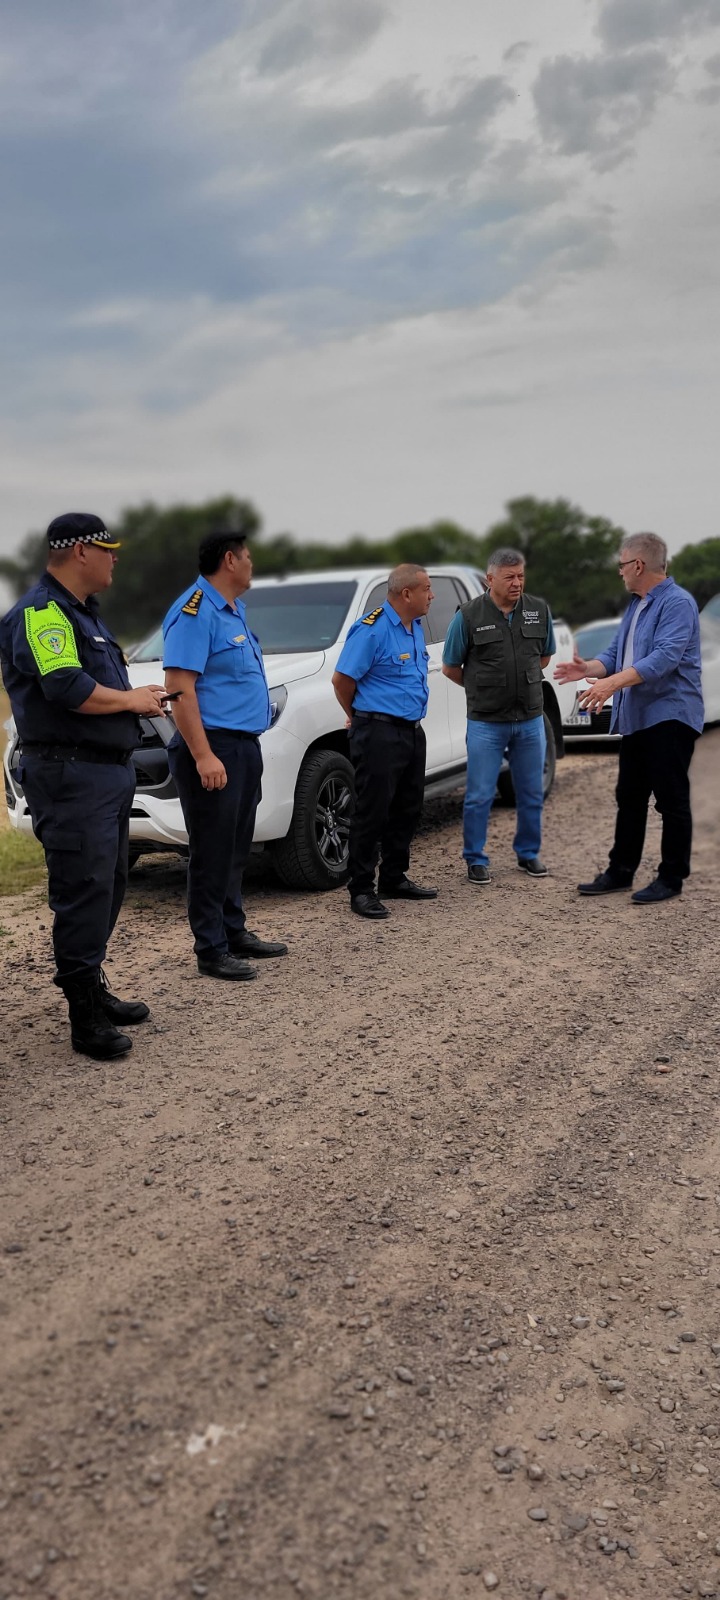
(382, 716)
(77, 752)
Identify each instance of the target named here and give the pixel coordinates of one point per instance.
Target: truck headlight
(278, 702)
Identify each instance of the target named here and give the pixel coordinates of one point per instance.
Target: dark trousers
(80, 812)
(655, 761)
(389, 762)
(220, 825)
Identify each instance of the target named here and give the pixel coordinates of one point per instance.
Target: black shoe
(605, 883)
(91, 1031)
(479, 874)
(405, 889)
(655, 891)
(226, 966)
(250, 944)
(533, 866)
(368, 905)
(124, 1013)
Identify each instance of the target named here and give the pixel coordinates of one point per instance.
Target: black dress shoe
(226, 966)
(479, 874)
(250, 944)
(124, 1013)
(533, 866)
(605, 883)
(655, 891)
(405, 889)
(368, 905)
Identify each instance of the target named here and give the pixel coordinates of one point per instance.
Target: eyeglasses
(627, 563)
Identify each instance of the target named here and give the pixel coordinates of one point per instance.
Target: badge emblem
(53, 639)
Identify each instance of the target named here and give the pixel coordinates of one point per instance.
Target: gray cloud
(623, 24)
(318, 29)
(712, 65)
(596, 105)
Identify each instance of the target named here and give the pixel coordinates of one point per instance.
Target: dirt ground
(395, 1273)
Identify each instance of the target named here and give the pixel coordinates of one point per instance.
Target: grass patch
(22, 863)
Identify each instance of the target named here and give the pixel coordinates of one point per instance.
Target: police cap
(79, 527)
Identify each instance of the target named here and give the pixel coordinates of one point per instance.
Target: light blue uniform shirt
(666, 653)
(203, 633)
(457, 639)
(389, 663)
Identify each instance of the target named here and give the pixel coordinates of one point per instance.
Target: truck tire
(314, 855)
(505, 783)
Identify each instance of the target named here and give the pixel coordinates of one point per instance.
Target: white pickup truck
(303, 818)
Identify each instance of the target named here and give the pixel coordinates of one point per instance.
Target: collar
(655, 592)
(217, 598)
(91, 604)
(393, 615)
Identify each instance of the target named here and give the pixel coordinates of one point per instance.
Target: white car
(307, 787)
(596, 636)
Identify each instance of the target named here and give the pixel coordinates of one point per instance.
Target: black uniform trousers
(389, 762)
(220, 825)
(655, 761)
(80, 812)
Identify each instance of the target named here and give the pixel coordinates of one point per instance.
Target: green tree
(157, 560)
(697, 568)
(571, 557)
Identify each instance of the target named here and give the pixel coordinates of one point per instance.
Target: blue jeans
(487, 743)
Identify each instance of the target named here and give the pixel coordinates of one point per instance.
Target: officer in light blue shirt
(652, 669)
(381, 682)
(216, 678)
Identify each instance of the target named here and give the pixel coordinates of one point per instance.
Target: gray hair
(505, 556)
(404, 577)
(647, 547)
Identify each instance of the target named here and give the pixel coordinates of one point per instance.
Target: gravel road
(393, 1274)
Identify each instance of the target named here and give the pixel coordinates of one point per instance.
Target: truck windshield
(286, 617)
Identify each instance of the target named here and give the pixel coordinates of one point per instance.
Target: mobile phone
(176, 696)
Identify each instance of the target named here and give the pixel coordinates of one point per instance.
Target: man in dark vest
(496, 648)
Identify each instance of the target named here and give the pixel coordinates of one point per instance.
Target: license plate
(579, 719)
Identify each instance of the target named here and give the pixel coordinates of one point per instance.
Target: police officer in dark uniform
(214, 664)
(496, 648)
(381, 683)
(76, 717)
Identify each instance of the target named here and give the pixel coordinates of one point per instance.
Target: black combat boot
(91, 1031)
(124, 1013)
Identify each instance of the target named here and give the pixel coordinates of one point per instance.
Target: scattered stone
(535, 1472)
(404, 1375)
(576, 1522)
(666, 1404)
(272, 1317)
(580, 1322)
(688, 1338)
(491, 1580)
(538, 1514)
(349, 1281)
(339, 1413)
(452, 1215)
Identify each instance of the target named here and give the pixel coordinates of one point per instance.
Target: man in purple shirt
(652, 670)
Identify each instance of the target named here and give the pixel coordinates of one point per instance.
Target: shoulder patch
(50, 636)
(192, 606)
(373, 616)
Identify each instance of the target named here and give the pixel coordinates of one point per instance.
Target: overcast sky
(366, 263)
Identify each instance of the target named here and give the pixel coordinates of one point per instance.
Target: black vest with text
(502, 674)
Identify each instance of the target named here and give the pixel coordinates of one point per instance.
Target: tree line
(571, 556)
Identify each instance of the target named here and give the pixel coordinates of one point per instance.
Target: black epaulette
(193, 604)
(373, 616)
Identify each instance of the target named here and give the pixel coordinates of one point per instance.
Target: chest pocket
(533, 630)
(488, 659)
(103, 661)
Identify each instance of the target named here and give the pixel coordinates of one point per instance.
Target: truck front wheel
(315, 853)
